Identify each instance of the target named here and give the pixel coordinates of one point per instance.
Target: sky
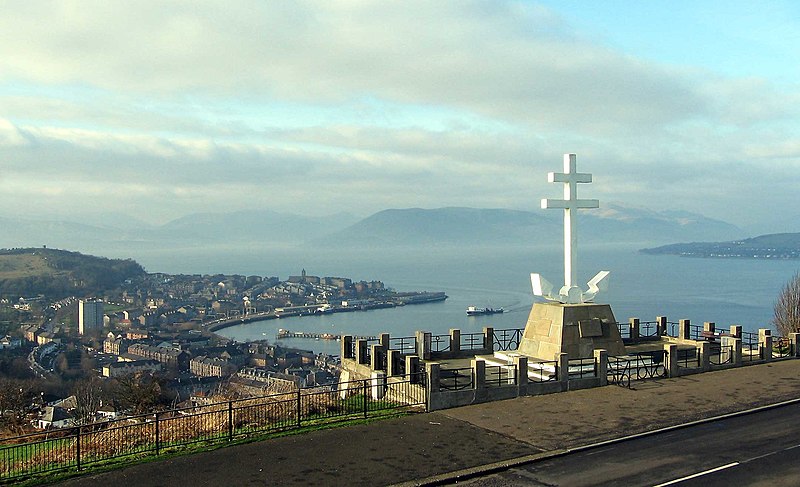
(156, 109)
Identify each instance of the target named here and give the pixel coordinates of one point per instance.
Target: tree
(787, 308)
(88, 396)
(16, 401)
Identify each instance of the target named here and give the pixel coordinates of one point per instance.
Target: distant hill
(60, 273)
(473, 226)
(771, 246)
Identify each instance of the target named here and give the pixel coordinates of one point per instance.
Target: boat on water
(475, 311)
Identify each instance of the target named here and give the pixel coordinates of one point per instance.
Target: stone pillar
(562, 359)
(376, 356)
(684, 329)
(433, 373)
(412, 369)
(377, 383)
(601, 362)
(661, 325)
(736, 331)
(737, 352)
(765, 343)
(383, 339)
(521, 363)
(347, 346)
(479, 371)
(361, 351)
(488, 339)
(392, 363)
(423, 339)
(709, 327)
(705, 356)
(634, 324)
(455, 340)
(794, 340)
(671, 359)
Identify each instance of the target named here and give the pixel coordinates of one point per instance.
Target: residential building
(90, 315)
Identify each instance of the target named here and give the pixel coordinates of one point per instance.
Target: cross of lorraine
(570, 293)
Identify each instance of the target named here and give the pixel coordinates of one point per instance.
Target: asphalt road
(762, 448)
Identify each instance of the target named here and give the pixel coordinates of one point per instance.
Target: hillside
(771, 246)
(60, 273)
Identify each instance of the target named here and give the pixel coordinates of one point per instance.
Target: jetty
(317, 336)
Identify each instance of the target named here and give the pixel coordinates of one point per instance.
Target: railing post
(479, 373)
(634, 329)
(455, 340)
(378, 383)
(383, 339)
(392, 363)
(765, 344)
(737, 352)
(563, 369)
(601, 361)
(365, 393)
(794, 339)
(230, 419)
(158, 435)
(412, 368)
(736, 331)
(661, 325)
(78, 447)
(705, 356)
(671, 359)
(423, 339)
(521, 363)
(347, 346)
(361, 351)
(299, 407)
(684, 329)
(434, 376)
(375, 357)
(709, 327)
(488, 338)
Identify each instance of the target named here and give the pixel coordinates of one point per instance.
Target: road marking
(699, 474)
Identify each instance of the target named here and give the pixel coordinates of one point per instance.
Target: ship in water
(475, 311)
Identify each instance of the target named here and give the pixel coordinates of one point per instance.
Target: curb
(490, 468)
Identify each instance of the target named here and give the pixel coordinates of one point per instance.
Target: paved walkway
(424, 445)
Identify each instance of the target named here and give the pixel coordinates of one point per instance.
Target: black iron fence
(168, 431)
(721, 355)
(472, 341)
(781, 347)
(501, 375)
(543, 371)
(582, 368)
(456, 379)
(688, 359)
(751, 350)
(406, 345)
(507, 339)
(440, 343)
(622, 369)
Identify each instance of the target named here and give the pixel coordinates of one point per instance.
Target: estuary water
(725, 291)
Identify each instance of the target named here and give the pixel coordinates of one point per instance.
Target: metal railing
(501, 375)
(582, 368)
(624, 330)
(178, 429)
(689, 359)
(543, 371)
(648, 329)
(721, 356)
(672, 329)
(472, 341)
(622, 369)
(751, 348)
(507, 339)
(440, 343)
(781, 347)
(406, 345)
(456, 379)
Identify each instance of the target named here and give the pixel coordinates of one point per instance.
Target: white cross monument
(570, 293)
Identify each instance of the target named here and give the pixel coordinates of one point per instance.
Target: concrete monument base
(575, 329)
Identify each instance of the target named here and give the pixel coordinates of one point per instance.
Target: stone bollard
(562, 359)
(705, 356)
(393, 363)
(765, 344)
(634, 326)
(455, 341)
(479, 373)
(601, 362)
(361, 351)
(671, 359)
(347, 346)
(684, 329)
(412, 369)
(521, 363)
(794, 340)
(736, 331)
(376, 357)
(737, 352)
(661, 325)
(383, 339)
(709, 329)
(488, 339)
(432, 370)
(377, 383)
(423, 339)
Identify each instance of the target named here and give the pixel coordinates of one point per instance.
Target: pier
(318, 336)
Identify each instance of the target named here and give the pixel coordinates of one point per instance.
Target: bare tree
(88, 396)
(787, 308)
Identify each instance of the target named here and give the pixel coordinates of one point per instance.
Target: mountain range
(408, 227)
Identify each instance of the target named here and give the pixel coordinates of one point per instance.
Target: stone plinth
(574, 329)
